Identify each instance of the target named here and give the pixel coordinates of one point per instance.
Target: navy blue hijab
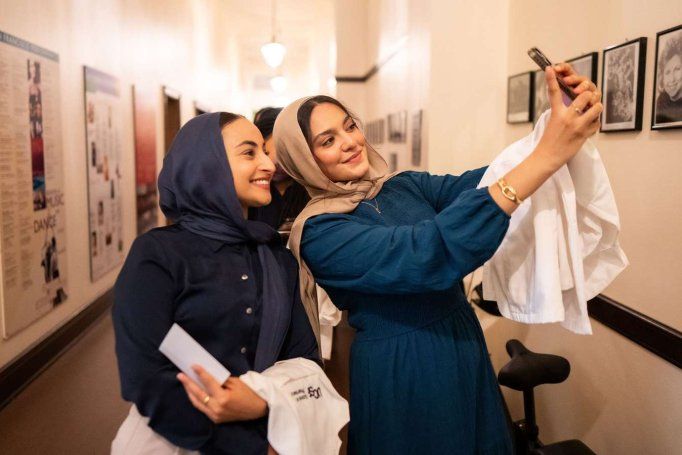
(197, 191)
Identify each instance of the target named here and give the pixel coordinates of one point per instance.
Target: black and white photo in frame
(520, 98)
(623, 86)
(667, 98)
(586, 65)
(397, 127)
(393, 162)
(417, 138)
(541, 97)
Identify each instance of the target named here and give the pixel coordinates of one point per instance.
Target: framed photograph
(417, 138)
(540, 96)
(397, 127)
(623, 86)
(666, 112)
(586, 65)
(374, 131)
(520, 98)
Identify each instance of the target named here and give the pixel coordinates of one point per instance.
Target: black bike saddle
(528, 369)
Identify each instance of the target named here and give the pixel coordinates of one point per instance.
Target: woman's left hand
(233, 401)
(578, 83)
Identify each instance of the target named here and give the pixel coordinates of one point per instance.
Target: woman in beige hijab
(392, 249)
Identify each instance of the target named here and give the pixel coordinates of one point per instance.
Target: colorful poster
(144, 106)
(103, 144)
(32, 230)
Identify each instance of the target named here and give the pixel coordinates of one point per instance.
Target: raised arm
(567, 130)
(442, 190)
(431, 255)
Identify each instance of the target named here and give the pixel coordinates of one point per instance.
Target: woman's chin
(257, 202)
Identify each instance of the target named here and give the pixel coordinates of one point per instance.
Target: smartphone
(543, 62)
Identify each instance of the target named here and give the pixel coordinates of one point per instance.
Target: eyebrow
(330, 130)
(251, 143)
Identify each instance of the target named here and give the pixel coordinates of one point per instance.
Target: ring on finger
(206, 399)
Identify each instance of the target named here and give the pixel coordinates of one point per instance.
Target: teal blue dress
(421, 379)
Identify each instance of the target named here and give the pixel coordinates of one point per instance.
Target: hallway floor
(74, 407)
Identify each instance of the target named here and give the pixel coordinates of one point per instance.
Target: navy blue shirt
(212, 290)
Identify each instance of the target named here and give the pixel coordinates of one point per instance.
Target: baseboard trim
(653, 335)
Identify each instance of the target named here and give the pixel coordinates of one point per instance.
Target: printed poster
(32, 228)
(144, 104)
(103, 144)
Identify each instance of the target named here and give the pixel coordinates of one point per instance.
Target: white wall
(395, 35)
(193, 46)
(620, 398)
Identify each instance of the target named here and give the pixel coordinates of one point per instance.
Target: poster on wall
(144, 107)
(103, 144)
(32, 232)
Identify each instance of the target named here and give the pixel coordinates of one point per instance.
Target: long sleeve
(441, 190)
(344, 252)
(300, 341)
(143, 312)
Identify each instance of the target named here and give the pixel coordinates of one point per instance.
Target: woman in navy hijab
(227, 281)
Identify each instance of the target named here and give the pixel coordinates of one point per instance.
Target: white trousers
(134, 437)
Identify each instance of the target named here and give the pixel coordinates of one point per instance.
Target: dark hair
(228, 117)
(265, 120)
(306, 109)
(672, 48)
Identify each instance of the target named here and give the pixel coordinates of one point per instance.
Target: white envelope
(184, 351)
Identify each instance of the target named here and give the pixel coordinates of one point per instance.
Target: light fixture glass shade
(278, 84)
(273, 53)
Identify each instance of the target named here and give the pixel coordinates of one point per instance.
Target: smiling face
(337, 144)
(251, 167)
(672, 77)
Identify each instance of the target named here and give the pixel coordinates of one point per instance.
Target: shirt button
(249, 310)
(243, 350)
(245, 277)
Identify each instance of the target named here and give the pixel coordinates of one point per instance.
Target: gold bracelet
(508, 191)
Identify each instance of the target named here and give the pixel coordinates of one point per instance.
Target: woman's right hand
(232, 401)
(569, 126)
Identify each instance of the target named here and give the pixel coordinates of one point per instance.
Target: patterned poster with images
(103, 143)
(32, 228)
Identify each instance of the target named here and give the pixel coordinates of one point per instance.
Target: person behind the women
(391, 249)
(669, 101)
(288, 197)
(229, 282)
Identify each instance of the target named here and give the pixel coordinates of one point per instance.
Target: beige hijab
(296, 158)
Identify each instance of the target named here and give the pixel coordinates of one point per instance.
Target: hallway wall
(394, 36)
(620, 398)
(138, 42)
(207, 50)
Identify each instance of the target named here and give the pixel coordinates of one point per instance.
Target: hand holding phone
(543, 62)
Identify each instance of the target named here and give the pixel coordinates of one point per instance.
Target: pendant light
(273, 52)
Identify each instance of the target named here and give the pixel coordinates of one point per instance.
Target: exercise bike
(525, 371)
